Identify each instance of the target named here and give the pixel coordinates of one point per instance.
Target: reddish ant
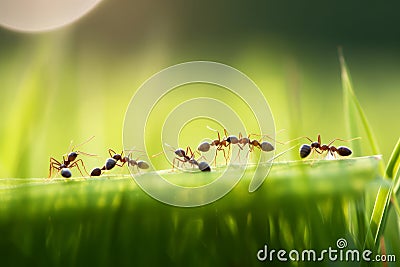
(343, 151)
(240, 141)
(219, 144)
(113, 161)
(264, 145)
(69, 161)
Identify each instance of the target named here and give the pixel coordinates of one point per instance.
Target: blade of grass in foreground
(354, 114)
(382, 203)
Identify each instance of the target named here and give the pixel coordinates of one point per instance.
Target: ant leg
(75, 163)
(178, 159)
(238, 154)
(202, 157)
(189, 150)
(215, 157)
(52, 166)
(111, 152)
(223, 151)
(229, 152)
(226, 133)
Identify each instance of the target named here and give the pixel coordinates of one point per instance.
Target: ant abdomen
(204, 147)
(142, 164)
(204, 167)
(266, 146)
(305, 150)
(232, 139)
(110, 163)
(343, 151)
(95, 172)
(66, 173)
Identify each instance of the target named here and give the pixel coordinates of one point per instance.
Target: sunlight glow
(42, 15)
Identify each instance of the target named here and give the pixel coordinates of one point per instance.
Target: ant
(113, 161)
(240, 141)
(183, 156)
(264, 146)
(343, 151)
(219, 144)
(69, 161)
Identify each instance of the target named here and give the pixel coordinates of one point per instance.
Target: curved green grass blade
(354, 113)
(384, 196)
(356, 119)
(392, 169)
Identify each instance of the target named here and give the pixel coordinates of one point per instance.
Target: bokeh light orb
(42, 15)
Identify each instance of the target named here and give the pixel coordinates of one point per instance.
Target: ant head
(72, 156)
(315, 144)
(244, 140)
(255, 143)
(117, 157)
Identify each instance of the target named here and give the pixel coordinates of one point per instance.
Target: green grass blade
(62, 219)
(379, 215)
(393, 166)
(382, 203)
(348, 106)
(396, 206)
(354, 112)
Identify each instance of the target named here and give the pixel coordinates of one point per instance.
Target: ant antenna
(283, 152)
(266, 135)
(81, 144)
(298, 138)
(343, 140)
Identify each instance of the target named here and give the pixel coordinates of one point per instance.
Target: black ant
(343, 151)
(183, 156)
(68, 162)
(113, 161)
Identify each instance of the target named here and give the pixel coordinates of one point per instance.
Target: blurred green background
(75, 82)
